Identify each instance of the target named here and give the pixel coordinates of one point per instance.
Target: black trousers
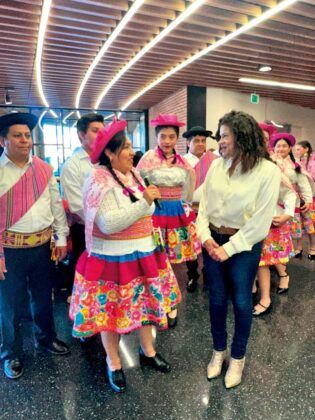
(77, 233)
(28, 270)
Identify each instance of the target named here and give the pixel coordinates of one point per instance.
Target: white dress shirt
(73, 175)
(46, 211)
(193, 160)
(242, 201)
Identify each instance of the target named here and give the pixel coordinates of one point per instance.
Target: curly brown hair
(249, 138)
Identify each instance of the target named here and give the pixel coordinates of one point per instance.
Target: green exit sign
(254, 98)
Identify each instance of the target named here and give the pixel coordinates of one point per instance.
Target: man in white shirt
(196, 144)
(30, 212)
(74, 172)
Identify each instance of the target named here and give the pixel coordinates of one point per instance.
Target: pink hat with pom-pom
(271, 129)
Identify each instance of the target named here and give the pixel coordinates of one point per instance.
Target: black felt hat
(18, 118)
(198, 130)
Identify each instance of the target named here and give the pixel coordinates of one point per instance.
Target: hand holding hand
(219, 254)
(280, 220)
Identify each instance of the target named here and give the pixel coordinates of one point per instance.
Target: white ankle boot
(215, 365)
(233, 375)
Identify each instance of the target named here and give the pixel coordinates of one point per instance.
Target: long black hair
(297, 166)
(249, 139)
(115, 145)
(159, 128)
(306, 145)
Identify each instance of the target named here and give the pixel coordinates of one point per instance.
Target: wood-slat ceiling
(77, 29)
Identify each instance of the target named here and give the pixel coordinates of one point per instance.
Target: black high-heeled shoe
(157, 362)
(117, 380)
(283, 290)
(310, 256)
(266, 310)
(298, 253)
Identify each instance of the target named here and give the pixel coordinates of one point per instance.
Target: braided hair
(115, 145)
(297, 167)
(249, 139)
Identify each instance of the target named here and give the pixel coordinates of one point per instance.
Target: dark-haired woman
(235, 213)
(175, 179)
(306, 158)
(282, 144)
(123, 280)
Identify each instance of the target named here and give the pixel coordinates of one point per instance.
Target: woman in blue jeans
(235, 213)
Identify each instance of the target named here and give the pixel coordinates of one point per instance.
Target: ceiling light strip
(273, 83)
(254, 22)
(39, 51)
(184, 15)
(125, 20)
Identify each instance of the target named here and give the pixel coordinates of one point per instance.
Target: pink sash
(202, 167)
(15, 202)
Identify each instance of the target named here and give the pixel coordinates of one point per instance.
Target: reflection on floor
(277, 382)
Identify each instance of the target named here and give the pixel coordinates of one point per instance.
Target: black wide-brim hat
(18, 118)
(198, 130)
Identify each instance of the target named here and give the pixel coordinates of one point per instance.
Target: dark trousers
(28, 270)
(235, 275)
(77, 234)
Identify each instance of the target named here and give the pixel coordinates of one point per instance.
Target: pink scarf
(202, 167)
(21, 197)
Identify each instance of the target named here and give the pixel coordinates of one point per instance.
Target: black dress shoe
(13, 368)
(57, 347)
(117, 380)
(311, 257)
(157, 362)
(191, 285)
(171, 322)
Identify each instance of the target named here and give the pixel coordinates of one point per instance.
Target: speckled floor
(278, 380)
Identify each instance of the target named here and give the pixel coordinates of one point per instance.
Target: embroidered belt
(142, 228)
(26, 240)
(222, 230)
(170, 193)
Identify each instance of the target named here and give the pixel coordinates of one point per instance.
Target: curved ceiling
(77, 29)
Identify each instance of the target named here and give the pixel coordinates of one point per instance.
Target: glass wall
(55, 137)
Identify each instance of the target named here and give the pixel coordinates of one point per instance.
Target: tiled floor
(278, 381)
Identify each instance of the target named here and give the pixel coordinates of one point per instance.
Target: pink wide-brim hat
(167, 119)
(271, 129)
(278, 136)
(103, 137)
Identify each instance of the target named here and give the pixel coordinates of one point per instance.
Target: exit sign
(254, 98)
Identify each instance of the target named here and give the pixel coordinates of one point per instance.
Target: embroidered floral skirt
(277, 247)
(302, 224)
(121, 294)
(176, 220)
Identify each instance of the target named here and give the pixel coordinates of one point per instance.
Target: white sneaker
(215, 365)
(233, 375)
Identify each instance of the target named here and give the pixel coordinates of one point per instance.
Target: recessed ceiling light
(276, 84)
(264, 67)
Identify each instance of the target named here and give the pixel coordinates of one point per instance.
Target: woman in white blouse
(235, 213)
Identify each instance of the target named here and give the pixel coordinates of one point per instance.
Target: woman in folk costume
(278, 246)
(306, 158)
(282, 144)
(123, 280)
(175, 179)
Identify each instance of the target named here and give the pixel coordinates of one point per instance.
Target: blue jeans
(234, 276)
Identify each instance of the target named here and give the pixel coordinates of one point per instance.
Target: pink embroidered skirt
(277, 247)
(122, 293)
